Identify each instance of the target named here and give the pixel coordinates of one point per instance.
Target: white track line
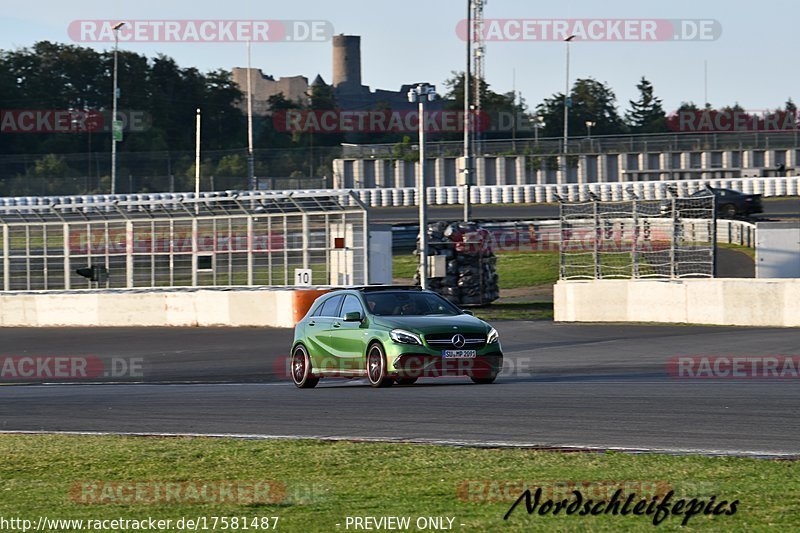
(434, 442)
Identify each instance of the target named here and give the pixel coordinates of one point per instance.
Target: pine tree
(646, 115)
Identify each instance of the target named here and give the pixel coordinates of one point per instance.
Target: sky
(751, 62)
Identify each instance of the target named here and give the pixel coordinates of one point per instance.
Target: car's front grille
(444, 341)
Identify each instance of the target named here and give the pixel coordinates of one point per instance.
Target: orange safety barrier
(302, 300)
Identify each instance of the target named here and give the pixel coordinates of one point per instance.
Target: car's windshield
(408, 303)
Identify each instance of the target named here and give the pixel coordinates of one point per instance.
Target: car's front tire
(376, 367)
(301, 369)
(486, 379)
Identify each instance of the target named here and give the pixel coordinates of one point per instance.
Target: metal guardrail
(453, 195)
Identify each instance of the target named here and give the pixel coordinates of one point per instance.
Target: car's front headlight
(402, 336)
(493, 336)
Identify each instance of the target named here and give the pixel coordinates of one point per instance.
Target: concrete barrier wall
(721, 301)
(625, 168)
(508, 194)
(266, 308)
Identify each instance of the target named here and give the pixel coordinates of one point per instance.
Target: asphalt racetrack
(564, 385)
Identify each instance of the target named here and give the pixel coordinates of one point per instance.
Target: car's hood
(434, 324)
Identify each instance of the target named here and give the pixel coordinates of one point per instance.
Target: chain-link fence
(671, 238)
(166, 240)
(146, 172)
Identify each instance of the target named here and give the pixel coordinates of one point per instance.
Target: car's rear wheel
(406, 381)
(301, 369)
(376, 367)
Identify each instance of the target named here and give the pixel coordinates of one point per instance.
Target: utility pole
(116, 127)
(567, 104)
(197, 162)
(420, 94)
(251, 176)
(467, 121)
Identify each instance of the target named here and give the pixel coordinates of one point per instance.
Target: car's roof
(716, 190)
(380, 288)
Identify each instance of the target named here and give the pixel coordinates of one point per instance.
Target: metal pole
(562, 226)
(423, 202)
(114, 119)
(635, 240)
(714, 235)
(598, 234)
(566, 120)
(197, 163)
(251, 177)
(673, 271)
(467, 121)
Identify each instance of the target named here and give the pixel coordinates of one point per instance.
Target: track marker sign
(302, 277)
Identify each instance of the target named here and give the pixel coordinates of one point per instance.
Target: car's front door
(318, 333)
(347, 337)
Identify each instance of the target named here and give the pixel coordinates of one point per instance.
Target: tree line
(54, 76)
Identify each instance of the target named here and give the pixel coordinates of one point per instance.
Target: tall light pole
(467, 121)
(197, 162)
(567, 103)
(251, 176)
(589, 125)
(116, 129)
(420, 94)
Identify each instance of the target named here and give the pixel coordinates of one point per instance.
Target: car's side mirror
(353, 316)
(467, 312)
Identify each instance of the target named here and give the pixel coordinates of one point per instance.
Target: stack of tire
(471, 275)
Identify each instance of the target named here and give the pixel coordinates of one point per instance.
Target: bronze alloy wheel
(376, 367)
(301, 369)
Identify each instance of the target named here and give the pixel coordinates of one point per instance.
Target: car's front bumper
(418, 361)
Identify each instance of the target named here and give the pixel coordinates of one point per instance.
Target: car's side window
(350, 305)
(330, 307)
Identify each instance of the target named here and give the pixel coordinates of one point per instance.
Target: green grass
(527, 269)
(325, 482)
(515, 269)
(404, 266)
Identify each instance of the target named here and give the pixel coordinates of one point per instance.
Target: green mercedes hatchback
(392, 335)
